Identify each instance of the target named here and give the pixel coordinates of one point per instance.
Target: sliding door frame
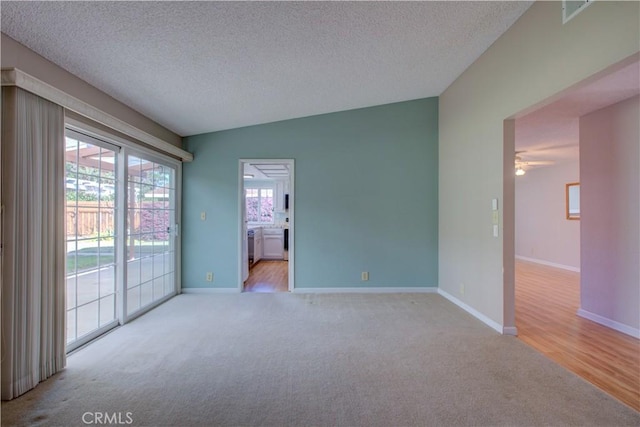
(79, 135)
(128, 147)
(175, 227)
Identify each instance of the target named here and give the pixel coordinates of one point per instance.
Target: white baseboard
(620, 327)
(508, 330)
(334, 290)
(549, 263)
(369, 290)
(210, 290)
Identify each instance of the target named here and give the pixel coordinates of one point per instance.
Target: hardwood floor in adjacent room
(268, 276)
(547, 300)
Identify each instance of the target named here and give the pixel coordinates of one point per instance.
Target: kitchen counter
(268, 227)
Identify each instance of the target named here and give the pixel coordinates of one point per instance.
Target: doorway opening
(544, 291)
(266, 232)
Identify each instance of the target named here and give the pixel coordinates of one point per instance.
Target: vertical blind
(33, 305)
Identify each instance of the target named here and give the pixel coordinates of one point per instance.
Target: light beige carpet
(314, 360)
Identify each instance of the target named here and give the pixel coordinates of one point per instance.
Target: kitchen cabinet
(273, 243)
(278, 194)
(258, 244)
(281, 188)
(285, 187)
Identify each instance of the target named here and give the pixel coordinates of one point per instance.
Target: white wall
(16, 55)
(610, 213)
(543, 233)
(535, 59)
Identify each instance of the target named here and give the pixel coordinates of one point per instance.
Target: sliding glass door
(121, 216)
(150, 240)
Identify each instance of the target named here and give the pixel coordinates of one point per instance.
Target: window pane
(169, 286)
(107, 281)
(146, 222)
(158, 287)
(146, 266)
(87, 318)
(87, 287)
(71, 325)
(146, 293)
(134, 165)
(107, 309)
(158, 265)
(160, 224)
(71, 292)
(133, 299)
(133, 273)
(107, 192)
(144, 246)
(259, 202)
(252, 206)
(266, 206)
(71, 258)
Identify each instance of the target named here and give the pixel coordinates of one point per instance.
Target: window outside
(259, 202)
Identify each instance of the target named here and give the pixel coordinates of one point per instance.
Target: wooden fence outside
(91, 217)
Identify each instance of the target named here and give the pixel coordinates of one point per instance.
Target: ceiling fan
(522, 165)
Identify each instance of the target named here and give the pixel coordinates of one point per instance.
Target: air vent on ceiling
(571, 8)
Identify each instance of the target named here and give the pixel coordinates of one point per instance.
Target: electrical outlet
(209, 277)
(203, 215)
(365, 276)
(461, 288)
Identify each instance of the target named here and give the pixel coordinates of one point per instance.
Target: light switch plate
(494, 204)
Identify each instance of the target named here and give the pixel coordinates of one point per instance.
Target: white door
(245, 243)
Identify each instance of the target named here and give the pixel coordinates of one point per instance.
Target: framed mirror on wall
(573, 200)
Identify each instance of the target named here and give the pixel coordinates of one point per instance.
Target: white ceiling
(197, 67)
(266, 171)
(551, 133)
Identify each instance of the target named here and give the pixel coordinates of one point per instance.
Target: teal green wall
(366, 197)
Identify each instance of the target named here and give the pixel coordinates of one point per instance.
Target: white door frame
(242, 232)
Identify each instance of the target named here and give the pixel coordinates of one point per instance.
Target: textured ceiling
(196, 67)
(551, 133)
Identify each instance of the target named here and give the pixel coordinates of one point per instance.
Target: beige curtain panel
(33, 237)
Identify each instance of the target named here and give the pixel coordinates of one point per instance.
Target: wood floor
(547, 299)
(268, 276)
